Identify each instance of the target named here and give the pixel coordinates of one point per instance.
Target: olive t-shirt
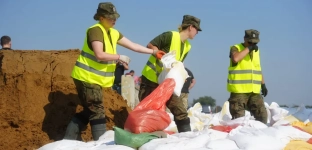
(96, 34)
(163, 42)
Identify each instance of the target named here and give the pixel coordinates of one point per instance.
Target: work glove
(124, 58)
(264, 90)
(158, 53)
(252, 47)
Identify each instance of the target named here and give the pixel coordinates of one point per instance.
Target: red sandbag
(149, 115)
(158, 98)
(147, 121)
(223, 128)
(310, 141)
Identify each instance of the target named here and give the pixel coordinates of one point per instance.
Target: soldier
(95, 68)
(245, 79)
(168, 41)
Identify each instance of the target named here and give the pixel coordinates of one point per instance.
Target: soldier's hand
(158, 53)
(253, 47)
(124, 59)
(264, 90)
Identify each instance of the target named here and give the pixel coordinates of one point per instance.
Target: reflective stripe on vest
(154, 67)
(246, 76)
(89, 69)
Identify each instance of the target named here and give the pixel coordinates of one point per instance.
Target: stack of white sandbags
(249, 133)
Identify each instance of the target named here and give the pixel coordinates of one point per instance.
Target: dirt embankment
(38, 98)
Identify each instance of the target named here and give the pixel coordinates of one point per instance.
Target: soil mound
(38, 98)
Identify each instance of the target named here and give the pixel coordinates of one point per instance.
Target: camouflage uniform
(253, 102)
(175, 105)
(91, 95)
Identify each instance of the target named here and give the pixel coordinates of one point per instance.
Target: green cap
(106, 9)
(191, 20)
(252, 36)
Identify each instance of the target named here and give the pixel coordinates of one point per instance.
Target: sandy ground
(38, 98)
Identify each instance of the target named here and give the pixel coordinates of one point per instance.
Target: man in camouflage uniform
(165, 41)
(245, 79)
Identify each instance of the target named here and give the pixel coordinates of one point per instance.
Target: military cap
(252, 36)
(191, 20)
(106, 9)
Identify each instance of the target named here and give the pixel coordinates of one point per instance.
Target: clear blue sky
(285, 30)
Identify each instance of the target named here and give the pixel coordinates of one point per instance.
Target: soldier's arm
(95, 37)
(160, 41)
(125, 66)
(237, 56)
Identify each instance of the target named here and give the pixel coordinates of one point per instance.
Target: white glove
(124, 58)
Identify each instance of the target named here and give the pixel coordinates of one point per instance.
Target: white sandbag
(173, 69)
(106, 141)
(185, 141)
(222, 144)
(277, 113)
(111, 147)
(61, 145)
(197, 118)
(225, 114)
(172, 127)
(268, 112)
(303, 114)
(254, 139)
(215, 134)
(286, 120)
(287, 133)
(238, 121)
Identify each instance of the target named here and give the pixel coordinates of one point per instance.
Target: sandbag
(222, 128)
(298, 145)
(307, 127)
(147, 121)
(149, 115)
(173, 69)
(126, 138)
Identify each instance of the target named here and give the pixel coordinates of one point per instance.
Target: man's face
(132, 73)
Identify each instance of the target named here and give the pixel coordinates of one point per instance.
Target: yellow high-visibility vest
(246, 76)
(89, 69)
(154, 66)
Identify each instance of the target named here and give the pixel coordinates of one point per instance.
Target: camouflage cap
(106, 9)
(191, 20)
(252, 36)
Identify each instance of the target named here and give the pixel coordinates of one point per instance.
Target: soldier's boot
(98, 128)
(183, 125)
(74, 129)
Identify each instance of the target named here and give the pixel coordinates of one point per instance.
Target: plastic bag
(223, 128)
(150, 115)
(147, 120)
(126, 138)
(173, 69)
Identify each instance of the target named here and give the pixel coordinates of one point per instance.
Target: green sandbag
(123, 137)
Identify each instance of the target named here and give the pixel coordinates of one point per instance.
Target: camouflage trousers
(184, 99)
(91, 99)
(250, 101)
(174, 104)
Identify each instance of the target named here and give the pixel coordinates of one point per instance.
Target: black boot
(98, 128)
(183, 125)
(74, 128)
